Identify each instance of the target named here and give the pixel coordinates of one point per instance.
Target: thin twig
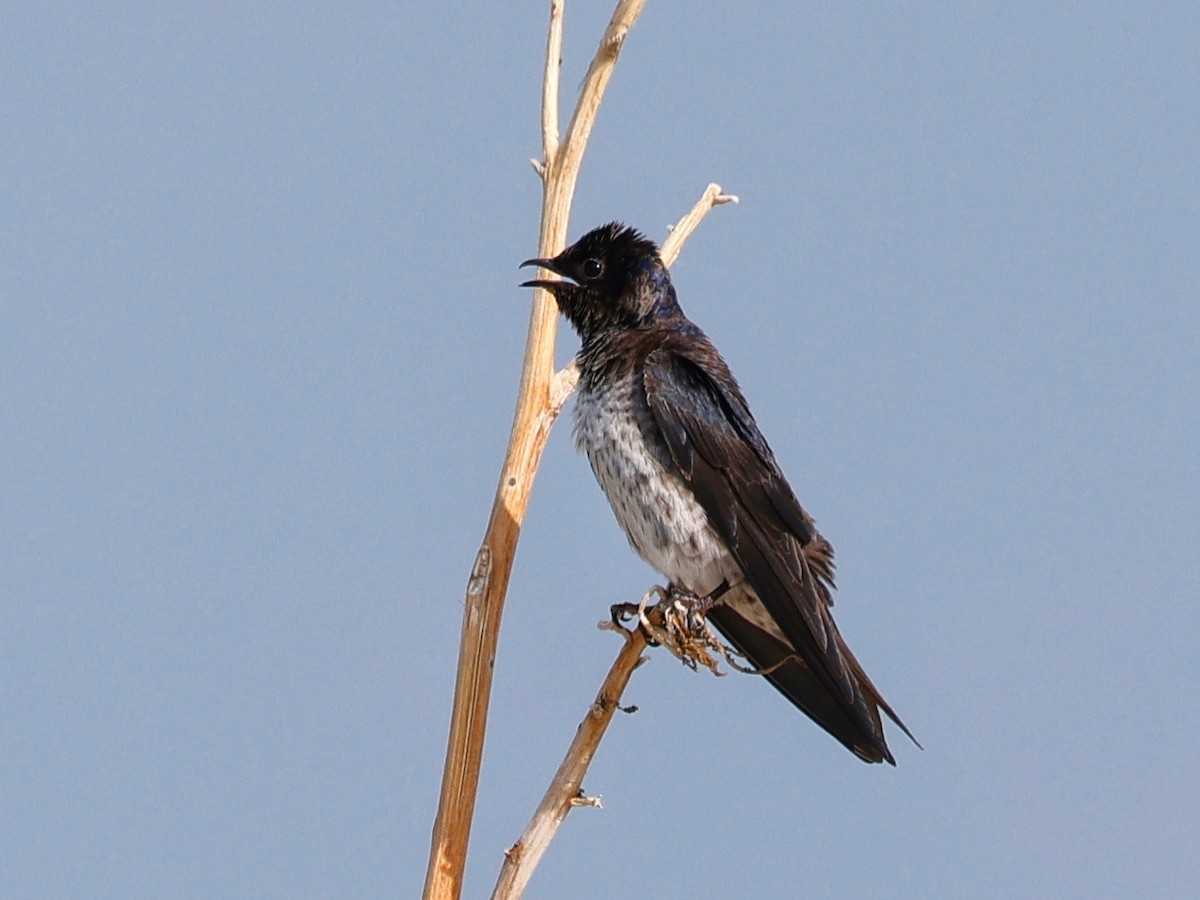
(596, 80)
(564, 383)
(690, 638)
(565, 791)
(554, 40)
(713, 196)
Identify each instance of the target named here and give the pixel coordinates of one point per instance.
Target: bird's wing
(732, 472)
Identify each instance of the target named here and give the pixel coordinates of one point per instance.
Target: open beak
(549, 265)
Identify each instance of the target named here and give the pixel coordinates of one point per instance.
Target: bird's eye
(592, 268)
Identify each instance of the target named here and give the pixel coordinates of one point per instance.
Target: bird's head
(618, 281)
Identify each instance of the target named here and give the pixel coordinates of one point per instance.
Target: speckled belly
(661, 518)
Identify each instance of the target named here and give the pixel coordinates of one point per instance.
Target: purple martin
(695, 486)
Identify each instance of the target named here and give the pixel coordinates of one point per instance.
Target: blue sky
(260, 334)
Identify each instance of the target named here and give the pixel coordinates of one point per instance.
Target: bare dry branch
(535, 413)
(671, 623)
(541, 396)
(550, 79)
(565, 791)
(562, 169)
(563, 385)
(713, 196)
(596, 80)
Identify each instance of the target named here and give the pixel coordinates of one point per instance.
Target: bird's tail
(780, 664)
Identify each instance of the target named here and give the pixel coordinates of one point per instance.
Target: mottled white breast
(661, 518)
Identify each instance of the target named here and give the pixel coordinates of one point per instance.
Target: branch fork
(541, 396)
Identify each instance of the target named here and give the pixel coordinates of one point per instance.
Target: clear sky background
(260, 333)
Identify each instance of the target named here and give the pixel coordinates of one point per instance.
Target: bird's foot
(636, 612)
(678, 622)
(674, 618)
(695, 606)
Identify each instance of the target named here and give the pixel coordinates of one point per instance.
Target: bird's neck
(599, 352)
(610, 354)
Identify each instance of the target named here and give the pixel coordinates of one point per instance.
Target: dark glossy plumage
(694, 484)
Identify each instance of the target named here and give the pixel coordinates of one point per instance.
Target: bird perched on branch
(697, 489)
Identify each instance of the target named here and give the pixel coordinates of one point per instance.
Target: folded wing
(732, 472)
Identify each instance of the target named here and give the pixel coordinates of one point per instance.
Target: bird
(696, 488)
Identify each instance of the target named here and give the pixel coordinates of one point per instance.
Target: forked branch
(535, 413)
(540, 398)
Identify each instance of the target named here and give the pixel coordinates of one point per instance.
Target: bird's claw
(695, 606)
(636, 612)
(676, 621)
(622, 613)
